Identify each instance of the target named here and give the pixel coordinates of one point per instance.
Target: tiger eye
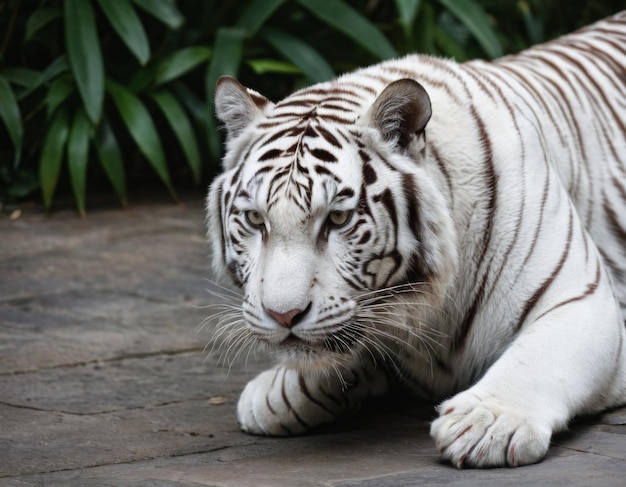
(255, 218)
(339, 218)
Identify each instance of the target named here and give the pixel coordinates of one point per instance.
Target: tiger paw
(471, 432)
(279, 402)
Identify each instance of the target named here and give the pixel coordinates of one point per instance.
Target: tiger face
(328, 219)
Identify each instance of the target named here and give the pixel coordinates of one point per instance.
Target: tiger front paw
(279, 402)
(471, 432)
(255, 413)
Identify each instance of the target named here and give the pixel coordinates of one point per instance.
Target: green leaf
(193, 104)
(347, 20)
(476, 20)
(257, 13)
(110, 157)
(24, 77)
(310, 62)
(77, 157)
(39, 19)
(85, 57)
(125, 21)
(52, 155)
(163, 10)
(425, 30)
(141, 128)
(534, 24)
(54, 69)
(449, 45)
(263, 66)
(181, 126)
(142, 78)
(59, 90)
(407, 11)
(180, 62)
(226, 55)
(226, 58)
(22, 184)
(12, 118)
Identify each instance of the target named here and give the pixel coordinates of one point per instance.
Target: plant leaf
(181, 61)
(225, 61)
(125, 21)
(534, 24)
(164, 10)
(425, 29)
(58, 92)
(52, 155)
(226, 55)
(449, 45)
(263, 66)
(110, 157)
(39, 19)
(407, 11)
(77, 157)
(475, 19)
(24, 77)
(347, 20)
(181, 126)
(12, 118)
(141, 128)
(257, 13)
(310, 62)
(85, 57)
(193, 104)
(55, 68)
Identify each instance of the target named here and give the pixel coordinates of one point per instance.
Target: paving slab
(106, 378)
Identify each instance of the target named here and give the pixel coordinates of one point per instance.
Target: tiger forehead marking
(290, 163)
(306, 181)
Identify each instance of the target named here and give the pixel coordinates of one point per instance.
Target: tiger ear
(236, 106)
(400, 112)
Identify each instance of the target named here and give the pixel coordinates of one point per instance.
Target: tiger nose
(289, 319)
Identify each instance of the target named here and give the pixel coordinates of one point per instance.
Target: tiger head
(328, 218)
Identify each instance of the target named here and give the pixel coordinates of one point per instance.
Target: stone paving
(105, 380)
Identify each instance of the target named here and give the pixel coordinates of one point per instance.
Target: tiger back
(457, 228)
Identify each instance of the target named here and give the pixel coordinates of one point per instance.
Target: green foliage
(99, 90)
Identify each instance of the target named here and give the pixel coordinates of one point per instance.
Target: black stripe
(283, 393)
(330, 138)
(309, 396)
(591, 288)
(323, 155)
(491, 182)
(532, 301)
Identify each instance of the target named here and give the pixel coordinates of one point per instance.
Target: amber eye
(339, 218)
(255, 218)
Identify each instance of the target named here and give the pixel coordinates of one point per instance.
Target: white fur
(541, 283)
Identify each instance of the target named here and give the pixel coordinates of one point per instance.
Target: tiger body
(461, 227)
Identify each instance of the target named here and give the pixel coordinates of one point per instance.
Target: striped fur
(455, 227)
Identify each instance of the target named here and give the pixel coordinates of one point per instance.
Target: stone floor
(105, 380)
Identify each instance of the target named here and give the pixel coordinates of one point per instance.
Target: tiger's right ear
(400, 112)
(236, 106)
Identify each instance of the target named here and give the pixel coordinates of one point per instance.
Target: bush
(95, 89)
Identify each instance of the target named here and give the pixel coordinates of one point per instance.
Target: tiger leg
(568, 362)
(285, 402)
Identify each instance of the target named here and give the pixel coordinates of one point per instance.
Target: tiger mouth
(336, 343)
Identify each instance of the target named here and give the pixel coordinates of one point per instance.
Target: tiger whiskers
(388, 319)
(383, 328)
(230, 334)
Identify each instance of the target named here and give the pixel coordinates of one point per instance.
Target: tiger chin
(459, 229)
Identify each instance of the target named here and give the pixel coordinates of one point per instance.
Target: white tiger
(452, 227)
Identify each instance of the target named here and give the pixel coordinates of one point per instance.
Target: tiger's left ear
(236, 106)
(400, 112)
